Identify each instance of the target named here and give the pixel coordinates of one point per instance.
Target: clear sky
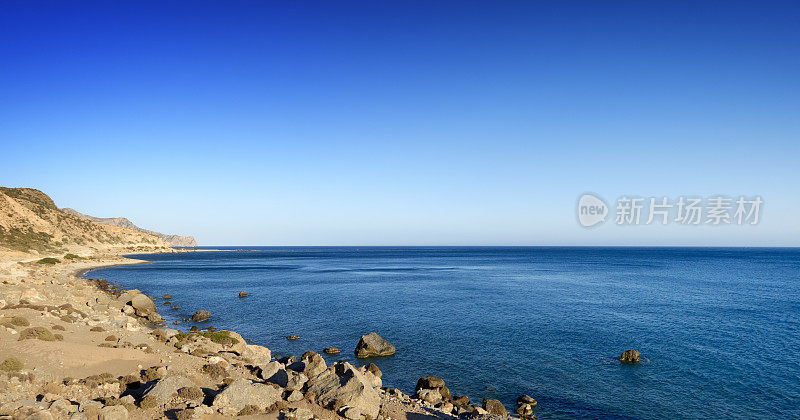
(403, 122)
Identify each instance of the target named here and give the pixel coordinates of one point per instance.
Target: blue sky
(403, 123)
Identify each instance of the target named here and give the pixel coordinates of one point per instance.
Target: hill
(171, 240)
(31, 222)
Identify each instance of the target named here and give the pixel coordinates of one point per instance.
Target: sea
(718, 328)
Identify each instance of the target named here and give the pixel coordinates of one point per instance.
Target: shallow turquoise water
(719, 328)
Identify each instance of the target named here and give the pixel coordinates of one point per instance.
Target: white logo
(591, 210)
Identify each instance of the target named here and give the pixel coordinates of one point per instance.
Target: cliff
(171, 240)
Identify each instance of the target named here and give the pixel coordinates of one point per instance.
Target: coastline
(67, 316)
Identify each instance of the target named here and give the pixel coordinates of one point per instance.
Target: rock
(167, 296)
(525, 410)
(295, 381)
(165, 389)
(41, 415)
(257, 355)
(293, 337)
(300, 414)
(461, 401)
(526, 399)
(241, 393)
(78, 416)
(201, 316)
(373, 369)
(331, 350)
(350, 413)
(342, 384)
(113, 412)
(280, 377)
(372, 345)
(494, 407)
(268, 370)
(313, 363)
(429, 395)
(429, 382)
(292, 396)
(630, 357)
(242, 294)
(373, 374)
(143, 305)
(445, 407)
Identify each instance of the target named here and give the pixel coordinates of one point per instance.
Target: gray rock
(166, 388)
(242, 392)
(314, 364)
(143, 305)
(280, 377)
(257, 355)
(372, 345)
(114, 412)
(350, 413)
(295, 380)
(266, 371)
(342, 384)
(432, 396)
(292, 396)
(78, 416)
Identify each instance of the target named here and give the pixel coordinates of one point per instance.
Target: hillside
(171, 240)
(30, 222)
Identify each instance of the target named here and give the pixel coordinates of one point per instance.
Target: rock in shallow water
(201, 316)
(372, 345)
(630, 357)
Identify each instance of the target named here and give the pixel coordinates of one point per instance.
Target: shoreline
(89, 375)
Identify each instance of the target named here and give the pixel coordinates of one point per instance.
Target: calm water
(720, 328)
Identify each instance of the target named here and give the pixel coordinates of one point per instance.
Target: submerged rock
(331, 350)
(630, 357)
(372, 345)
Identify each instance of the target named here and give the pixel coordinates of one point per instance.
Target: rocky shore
(74, 348)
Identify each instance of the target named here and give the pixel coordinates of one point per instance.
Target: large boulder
(165, 389)
(372, 345)
(241, 393)
(630, 357)
(494, 407)
(343, 385)
(143, 305)
(257, 355)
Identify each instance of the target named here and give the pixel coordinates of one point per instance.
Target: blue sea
(718, 328)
